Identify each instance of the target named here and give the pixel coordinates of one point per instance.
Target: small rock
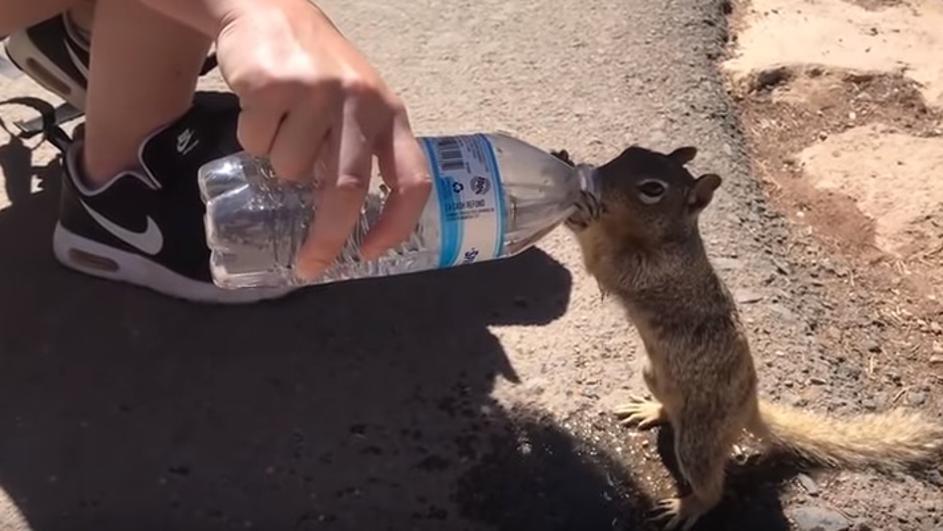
(179, 470)
(881, 399)
(823, 135)
(784, 316)
(935, 327)
(727, 264)
(815, 380)
(770, 78)
(747, 296)
(808, 484)
(811, 518)
(781, 267)
(916, 398)
(852, 115)
(935, 477)
(869, 404)
(936, 358)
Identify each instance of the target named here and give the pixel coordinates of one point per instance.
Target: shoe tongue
(205, 133)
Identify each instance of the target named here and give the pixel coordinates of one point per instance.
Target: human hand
(314, 107)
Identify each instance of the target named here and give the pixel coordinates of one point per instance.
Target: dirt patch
(850, 156)
(829, 95)
(889, 175)
(795, 115)
(846, 130)
(902, 38)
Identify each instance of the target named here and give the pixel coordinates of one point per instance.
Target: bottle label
(470, 197)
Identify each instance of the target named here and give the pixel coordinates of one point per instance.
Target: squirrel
(640, 239)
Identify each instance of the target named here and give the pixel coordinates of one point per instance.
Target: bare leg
(144, 70)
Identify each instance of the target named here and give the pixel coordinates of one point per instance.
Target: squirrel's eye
(651, 191)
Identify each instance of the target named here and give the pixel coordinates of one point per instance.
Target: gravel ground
(466, 399)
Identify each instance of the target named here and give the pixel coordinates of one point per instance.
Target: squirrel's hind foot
(678, 513)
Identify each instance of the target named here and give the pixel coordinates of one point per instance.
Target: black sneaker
(146, 227)
(55, 54)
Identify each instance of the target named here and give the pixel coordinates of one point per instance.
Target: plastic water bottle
(494, 196)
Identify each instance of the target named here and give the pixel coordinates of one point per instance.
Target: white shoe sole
(93, 258)
(39, 68)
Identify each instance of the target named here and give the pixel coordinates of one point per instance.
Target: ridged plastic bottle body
(493, 197)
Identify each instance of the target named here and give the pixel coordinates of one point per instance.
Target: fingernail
(368, 255)
(309, 271)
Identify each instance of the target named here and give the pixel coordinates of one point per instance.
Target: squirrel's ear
(683, 155)
(703, 191)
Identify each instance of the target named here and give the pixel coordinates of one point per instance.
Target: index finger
(405, 170)
(339, 201)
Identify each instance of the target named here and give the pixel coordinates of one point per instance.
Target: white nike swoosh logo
(151, 241)
(186, 143)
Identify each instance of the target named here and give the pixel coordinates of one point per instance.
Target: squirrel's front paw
(588, 209)
(643, 413)
(563, 155)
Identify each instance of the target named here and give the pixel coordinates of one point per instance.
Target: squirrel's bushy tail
(893, 441)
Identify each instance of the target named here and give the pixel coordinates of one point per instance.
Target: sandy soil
(852, 93)
(840, 103)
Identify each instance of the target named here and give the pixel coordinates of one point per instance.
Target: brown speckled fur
(700, 371)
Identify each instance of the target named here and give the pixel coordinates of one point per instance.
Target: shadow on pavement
(751, 493)
(364, 405)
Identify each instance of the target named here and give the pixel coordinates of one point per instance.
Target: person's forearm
(210, 16)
